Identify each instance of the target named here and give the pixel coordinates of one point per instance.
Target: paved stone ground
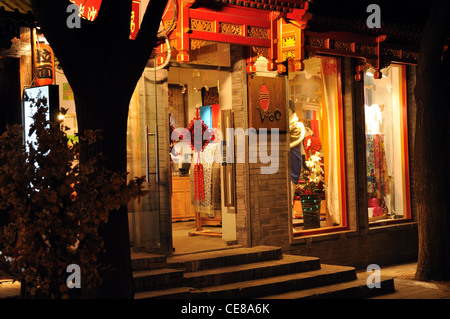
(408, 288)
(9, 289)
(405, 286)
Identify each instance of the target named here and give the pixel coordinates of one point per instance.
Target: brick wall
(269, 199)
(240, 113)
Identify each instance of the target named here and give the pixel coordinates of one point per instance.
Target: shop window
(386, 145)
(317, 151)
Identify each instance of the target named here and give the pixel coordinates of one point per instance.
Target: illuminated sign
(88, 8)
(135, 12)
(33, 98)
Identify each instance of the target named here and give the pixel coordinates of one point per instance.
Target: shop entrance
(167, 98)
(201, 218)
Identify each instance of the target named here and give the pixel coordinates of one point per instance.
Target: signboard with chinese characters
(88, 8)
(267, 103)
(134, 25)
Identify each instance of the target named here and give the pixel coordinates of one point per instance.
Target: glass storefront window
(386, 145)
(316, 146)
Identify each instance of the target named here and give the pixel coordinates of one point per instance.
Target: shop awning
(23, 6)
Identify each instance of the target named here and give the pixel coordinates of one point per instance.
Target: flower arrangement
(313, 177)
(312, 145)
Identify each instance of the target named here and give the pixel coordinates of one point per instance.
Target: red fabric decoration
(329, 66)
(315, 127)
(200, 134)
(373, 202)
(200, 137)
(311, 145)
(377, 211)
(199, 182)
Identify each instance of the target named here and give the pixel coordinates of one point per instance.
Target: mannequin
(373, 118)
(297, 134)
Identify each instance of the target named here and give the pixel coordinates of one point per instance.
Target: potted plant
(311, 191)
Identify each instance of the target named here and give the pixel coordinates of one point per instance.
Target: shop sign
(88, 9)
(267, 103)
(134, 25)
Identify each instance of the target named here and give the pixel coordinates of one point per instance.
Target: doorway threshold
(184, 242)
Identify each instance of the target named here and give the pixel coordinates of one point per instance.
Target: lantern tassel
(199, 181)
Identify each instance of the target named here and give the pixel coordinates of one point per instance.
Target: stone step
(287, 265)
(170, 293)
(157, 279)
(355, 289)
(145, 261)
(327, 275)
(224, 258)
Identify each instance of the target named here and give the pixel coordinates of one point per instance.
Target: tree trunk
(103, 67)
(110, 116)
(431, 149)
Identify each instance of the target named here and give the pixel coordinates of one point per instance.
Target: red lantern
(88, 8)
(45, 65)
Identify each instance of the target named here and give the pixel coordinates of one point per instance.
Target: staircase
(257, 272)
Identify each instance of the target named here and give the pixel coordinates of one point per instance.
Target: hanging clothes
(377, 173)
(211, 184)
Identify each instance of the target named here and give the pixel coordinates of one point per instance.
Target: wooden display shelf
(181, 199)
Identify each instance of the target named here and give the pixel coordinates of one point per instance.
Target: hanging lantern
(88, 8)
(45, 65)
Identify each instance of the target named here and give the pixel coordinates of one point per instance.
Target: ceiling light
(370, 72)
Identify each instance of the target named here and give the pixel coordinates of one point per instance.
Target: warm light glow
(61, 117)
(370, 72)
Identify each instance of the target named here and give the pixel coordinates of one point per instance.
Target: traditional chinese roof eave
(394, 32)
(10, 26)
(268, 5)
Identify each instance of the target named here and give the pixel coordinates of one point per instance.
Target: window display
(317, 176)
(386, 145)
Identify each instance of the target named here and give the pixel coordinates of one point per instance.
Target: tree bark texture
(103, 67)
(431, 148)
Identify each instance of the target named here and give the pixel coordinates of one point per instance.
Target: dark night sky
(400, 11)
